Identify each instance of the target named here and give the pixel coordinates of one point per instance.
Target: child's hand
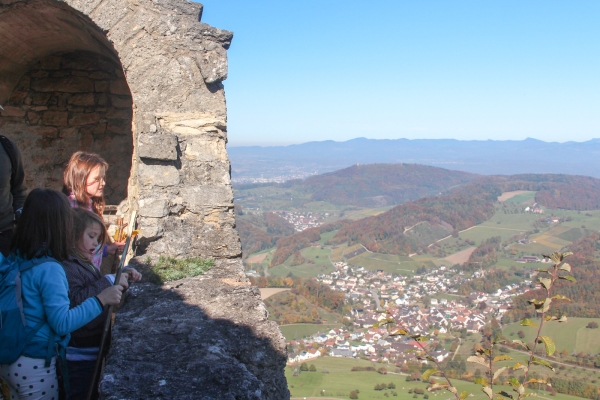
(133, 275)
(123, 281)
(110, 296)
(114, 247)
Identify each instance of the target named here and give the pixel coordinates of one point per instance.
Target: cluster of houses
(303, 221)
(423, 304)
(535, 208)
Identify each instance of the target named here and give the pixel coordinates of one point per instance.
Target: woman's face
(88, 242)
(95, 183)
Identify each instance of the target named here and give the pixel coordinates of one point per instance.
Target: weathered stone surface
(158, 147)
(158, 175)
(69, 85)
(155, 208)
(200, 198)
(208, 337)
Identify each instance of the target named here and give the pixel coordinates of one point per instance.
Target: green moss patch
(171, 269)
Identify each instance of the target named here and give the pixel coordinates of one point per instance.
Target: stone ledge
(198, 338)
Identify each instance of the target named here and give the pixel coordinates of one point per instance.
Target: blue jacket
(45, 293)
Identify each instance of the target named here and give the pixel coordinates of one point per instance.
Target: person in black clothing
(85, 281)
(12, 190)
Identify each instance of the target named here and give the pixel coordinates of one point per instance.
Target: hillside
(378, 185)
(259, 232)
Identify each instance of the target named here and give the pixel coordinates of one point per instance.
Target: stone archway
(89, 56)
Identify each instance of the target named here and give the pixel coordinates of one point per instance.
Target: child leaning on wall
(85, 281)
(42, 237)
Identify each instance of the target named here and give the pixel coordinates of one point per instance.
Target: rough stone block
(115, 113)
(155, 208)
(158, 175)
(200, 198)
(84, 119)
(55, 118)
(121, 101)
(158, 147)
(85, 99)
(102, 86)
(205, 149)
(10, 111)
(51, 63)
(119, 87)
(152, 228)
(72, 84)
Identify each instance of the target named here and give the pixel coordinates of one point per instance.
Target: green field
(572, 336)
(320, 265)
(528, 197)
(339, 381)
(299, 331)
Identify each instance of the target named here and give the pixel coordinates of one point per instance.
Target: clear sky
(330, 69)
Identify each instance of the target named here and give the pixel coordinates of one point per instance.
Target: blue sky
(335, 70)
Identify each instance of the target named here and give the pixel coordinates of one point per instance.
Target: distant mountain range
(489, 157)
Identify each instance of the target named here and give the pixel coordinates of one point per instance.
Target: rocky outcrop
(197, 338)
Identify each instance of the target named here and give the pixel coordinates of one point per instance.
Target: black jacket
(85, 281)
(12, 194)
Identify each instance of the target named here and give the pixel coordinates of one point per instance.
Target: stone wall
(205, 337)
(67, 102)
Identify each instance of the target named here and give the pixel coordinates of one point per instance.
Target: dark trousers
(80, 378)
(5, 238)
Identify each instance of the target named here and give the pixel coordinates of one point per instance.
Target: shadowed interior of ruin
(63, 90)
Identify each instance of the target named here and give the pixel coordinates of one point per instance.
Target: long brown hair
(83, 218)
(45, 226)
(76, 175)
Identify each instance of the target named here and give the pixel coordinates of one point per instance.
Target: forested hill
(374, 185)
(411, 227)
(377, 185)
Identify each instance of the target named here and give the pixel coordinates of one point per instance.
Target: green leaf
(546, 283)
(480, 381)
(422, 338)
(568, 278)
(545, 307)
(549, 343)
(498, 372)
(490, 393)
(533, 380)
(550, 318)
(565, 267)
(464, 395)
(527, 322)
(567, 254)
(561, 297)
(514, 382)
(478, 360)
(376, 325)
(398, 332)
(427, 374)
(556, 257)
(543, 362)
(543, 271)
(502, 358)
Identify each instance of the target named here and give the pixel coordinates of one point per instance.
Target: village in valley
(425, 304)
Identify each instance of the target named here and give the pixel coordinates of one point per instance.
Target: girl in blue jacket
(44, 230)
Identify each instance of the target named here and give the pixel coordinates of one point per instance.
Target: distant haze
(281, 163)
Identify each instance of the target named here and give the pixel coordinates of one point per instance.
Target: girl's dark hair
(83, 218)
(45, 226)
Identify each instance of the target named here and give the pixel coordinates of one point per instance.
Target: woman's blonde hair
(76, 175)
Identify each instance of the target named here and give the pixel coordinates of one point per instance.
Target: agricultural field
(338, 381)
(572, 336)
(391, 263)
(299, 331)
(320, 264)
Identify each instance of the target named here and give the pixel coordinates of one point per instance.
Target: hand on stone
(133, 275)
(111, 296)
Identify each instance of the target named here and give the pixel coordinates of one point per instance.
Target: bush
(391, 385)
(354, 394)
(382, 371)
(592, 325)
(303, 367)
(312, 368)
(171, 269)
